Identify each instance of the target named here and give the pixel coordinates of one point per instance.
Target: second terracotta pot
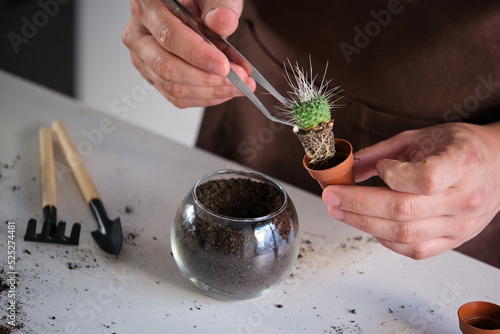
(479, 317)
(338, 170)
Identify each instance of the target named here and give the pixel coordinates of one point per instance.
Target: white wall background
(107, 80)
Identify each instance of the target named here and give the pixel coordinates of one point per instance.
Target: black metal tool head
(111, 239)
(109, 236)
(51, 231)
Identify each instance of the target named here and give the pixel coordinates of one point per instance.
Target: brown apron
(401, 64)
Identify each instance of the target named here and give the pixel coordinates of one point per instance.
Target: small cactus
(310, 112)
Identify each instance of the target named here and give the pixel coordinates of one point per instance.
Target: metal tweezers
(194, 22)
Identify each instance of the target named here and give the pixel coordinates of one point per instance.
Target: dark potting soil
(240, 198)
(5, 330)
(226, 255)
(331, 162)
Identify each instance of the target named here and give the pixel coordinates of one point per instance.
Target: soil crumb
(3, 286)
(5, 330)
(72, 266)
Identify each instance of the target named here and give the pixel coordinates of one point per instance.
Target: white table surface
(344, 282)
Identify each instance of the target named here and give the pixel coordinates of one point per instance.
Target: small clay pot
(337, 170)
(479, 318)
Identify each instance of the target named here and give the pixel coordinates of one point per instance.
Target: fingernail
(208, 16)
(217, 68)
(336, 213)
(330, 198)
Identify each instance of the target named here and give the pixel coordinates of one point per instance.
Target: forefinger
(383, 202)
(177, 38)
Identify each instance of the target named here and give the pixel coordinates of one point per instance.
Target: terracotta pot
(479, 318)
(340, 172)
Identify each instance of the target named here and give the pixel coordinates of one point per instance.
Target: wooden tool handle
(49, 195)
(74, 160)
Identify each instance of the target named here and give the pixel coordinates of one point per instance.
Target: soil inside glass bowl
(240, 198)
(231, 256)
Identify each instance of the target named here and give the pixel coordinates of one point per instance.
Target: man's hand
(188, 71)
(444, 188)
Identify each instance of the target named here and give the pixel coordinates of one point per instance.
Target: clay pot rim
(465, 311)
(346, 162)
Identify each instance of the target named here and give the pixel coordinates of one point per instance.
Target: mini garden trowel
(109, 234)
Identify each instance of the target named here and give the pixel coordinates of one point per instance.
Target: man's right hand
(188, 71)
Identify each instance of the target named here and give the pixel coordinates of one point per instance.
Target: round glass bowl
(235, 234)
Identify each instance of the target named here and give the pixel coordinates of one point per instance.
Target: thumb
(221, 16)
